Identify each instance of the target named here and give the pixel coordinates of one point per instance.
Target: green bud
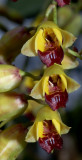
(12, 142)
(64, 15)
(11, 106)
(12, 42)
(10, 77)
(75, 25)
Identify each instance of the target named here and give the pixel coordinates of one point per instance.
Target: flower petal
(33, 107)
(32, 134)
(37, 91)
(69, 62)
(68, 38)
(54, 69)
(39, 41)
(72, 85)
(28, 48)
(39, 130)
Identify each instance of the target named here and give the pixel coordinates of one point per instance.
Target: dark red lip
(57, 99)
(51, 56)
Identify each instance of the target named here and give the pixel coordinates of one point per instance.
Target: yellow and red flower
(49, 43)
(54, 86)
(47, 129)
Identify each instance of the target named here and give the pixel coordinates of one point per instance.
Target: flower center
(51, 138)
(53, 52)
(58, 95)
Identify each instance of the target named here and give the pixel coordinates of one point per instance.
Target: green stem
(75, 53)
(32, 76)
(37, 100)
(55, 15)
(51, 8)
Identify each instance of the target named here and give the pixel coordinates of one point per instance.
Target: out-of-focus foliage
(27, 8)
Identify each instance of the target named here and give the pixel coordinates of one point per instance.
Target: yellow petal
(35, 132)
(28, 48)
(48, 24)
(60, 126)
(37, 91)
(45, 86)
(69, 63)
(33, 107)
(58, 35)
(57, 125)
(64, 81)
(32, 134)
(39, 41)
(72, 85)
(54, 69)
(67, 38)
(39, 130)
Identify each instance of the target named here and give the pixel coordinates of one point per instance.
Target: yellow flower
(48, 125)
(54, 86)
(49, 42)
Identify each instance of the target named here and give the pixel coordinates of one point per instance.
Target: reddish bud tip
(61, 3)
(14, 0)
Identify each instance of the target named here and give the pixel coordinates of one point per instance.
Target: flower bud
(12, 142)
(62, 3)
(64, 16)
(12, 41)
(76, 21)
(12, 104)
(10, 77)
(29, 82)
